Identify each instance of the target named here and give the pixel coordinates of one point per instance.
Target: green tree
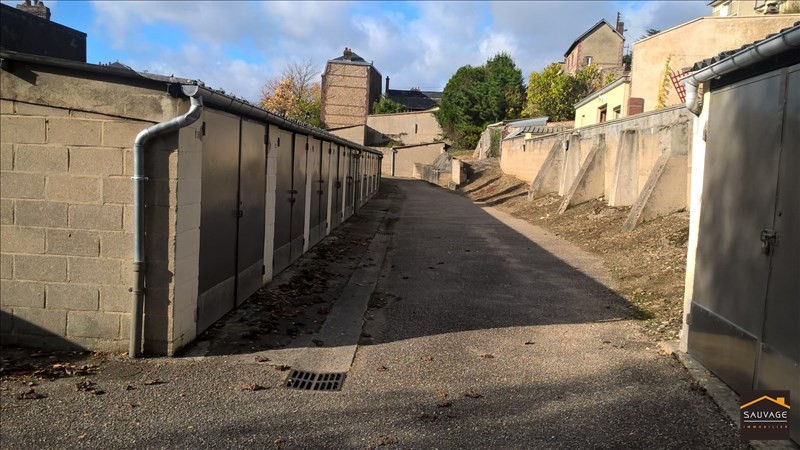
(504, 86)
(386, 105)
(295, 94)
(477, 96)
(554, 93)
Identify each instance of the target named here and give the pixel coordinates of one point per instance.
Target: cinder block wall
(66, 225)
(67, 212)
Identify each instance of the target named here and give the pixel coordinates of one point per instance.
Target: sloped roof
(536, 129)
(415, 100)
(532, 121)
(702, 64)
(588, 32)
(352, 59)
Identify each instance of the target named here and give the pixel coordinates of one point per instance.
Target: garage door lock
(769, 239)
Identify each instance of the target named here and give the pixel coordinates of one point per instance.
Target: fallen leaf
(426, 358)
(31, 395)
(530, 343)
(277, 442)
(282, 367)
(382, 369)
(386, 439)
(262, 359)
(90, 386)
(154, 382)
(252, 387)
(129, 405)
(472, 394)
(487, 356)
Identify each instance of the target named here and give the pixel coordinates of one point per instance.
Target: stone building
(350, 85)
(601, 45)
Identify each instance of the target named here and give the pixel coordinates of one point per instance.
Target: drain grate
(310, 381)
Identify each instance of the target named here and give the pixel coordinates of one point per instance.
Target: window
(618, 112)
(602, 110)
(416, 128)
(588, 60)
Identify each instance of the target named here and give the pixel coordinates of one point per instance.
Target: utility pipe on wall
(191, 116)
(758, 52)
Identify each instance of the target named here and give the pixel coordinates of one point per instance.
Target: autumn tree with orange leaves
(295, 93)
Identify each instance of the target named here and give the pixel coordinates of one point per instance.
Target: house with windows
(609, 103)
(601, 45)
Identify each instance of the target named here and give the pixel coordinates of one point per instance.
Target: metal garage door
(231, 215)
(283, 144)
(252, 199)
(745, 312)
(337, 186)
(313, 184)
(298, 195)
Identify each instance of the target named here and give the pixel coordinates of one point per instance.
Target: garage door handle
(769, 239)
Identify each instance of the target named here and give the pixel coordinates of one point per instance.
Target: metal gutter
(139, 253)
(760, 51)
(223, 102)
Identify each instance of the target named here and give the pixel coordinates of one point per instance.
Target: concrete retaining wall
(641, 161)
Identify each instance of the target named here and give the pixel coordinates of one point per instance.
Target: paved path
(469, 301)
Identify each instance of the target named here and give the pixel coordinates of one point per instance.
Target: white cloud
(422, 51)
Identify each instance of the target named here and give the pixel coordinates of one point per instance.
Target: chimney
(387, 85)
(348, 54)
(620, 25)
(37, 9)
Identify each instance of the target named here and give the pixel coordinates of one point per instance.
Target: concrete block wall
(66, 226)
(634, 147)
(181, 302)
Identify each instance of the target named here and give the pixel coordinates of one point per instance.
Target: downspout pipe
(761, 51)
(139, 257)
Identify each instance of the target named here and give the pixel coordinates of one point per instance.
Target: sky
(238, 45)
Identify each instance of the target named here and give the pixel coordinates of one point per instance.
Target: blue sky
(238, 45)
